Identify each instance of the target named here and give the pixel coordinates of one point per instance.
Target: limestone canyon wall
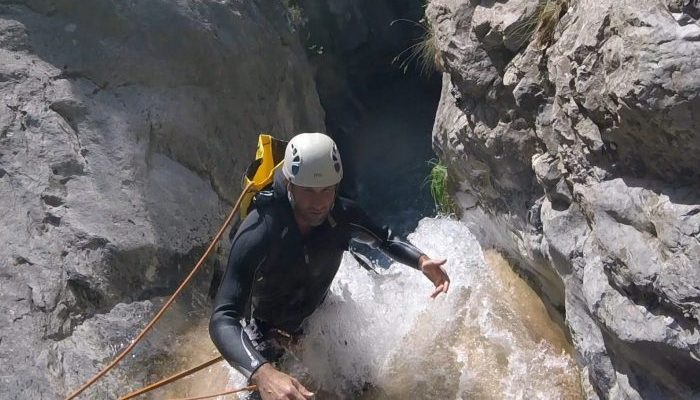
(571, 131)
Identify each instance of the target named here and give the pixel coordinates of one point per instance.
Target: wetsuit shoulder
(349, 211)
(360, 225)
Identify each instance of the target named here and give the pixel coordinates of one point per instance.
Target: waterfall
(382, 336)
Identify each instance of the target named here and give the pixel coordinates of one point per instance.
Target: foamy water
(382, 337)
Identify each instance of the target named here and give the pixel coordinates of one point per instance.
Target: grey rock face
(580, 157)
(124, 131)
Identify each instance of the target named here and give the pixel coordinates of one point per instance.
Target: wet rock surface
(121, 127)
(576, 151)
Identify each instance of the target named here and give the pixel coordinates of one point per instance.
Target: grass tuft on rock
(439, 189)
(541, 24)
(550, 12)
(424, 51)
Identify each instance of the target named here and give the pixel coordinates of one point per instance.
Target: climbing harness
(258, 176)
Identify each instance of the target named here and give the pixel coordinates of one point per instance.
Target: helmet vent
(296, 161)
(334, 156)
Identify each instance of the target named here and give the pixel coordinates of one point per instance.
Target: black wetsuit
(276, 278)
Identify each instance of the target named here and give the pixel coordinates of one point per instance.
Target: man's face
(311, 204)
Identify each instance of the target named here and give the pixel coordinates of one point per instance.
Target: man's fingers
(442, 288)
(305, 392)
(434, 271)
(437, 291)
(295, 394)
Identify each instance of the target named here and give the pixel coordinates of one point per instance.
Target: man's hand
(275, 385)
(434, 271)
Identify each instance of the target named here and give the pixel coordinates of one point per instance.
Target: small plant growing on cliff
(295, 14)
(438, 189)
(424, 51)
(550, 12)
(542, 23)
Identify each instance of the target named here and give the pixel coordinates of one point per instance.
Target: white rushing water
(381, 336)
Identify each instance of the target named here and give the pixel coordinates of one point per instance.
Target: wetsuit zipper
(306, 255)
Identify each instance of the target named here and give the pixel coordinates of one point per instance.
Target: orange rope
(209, 396)
(187, 280)
(171, 379)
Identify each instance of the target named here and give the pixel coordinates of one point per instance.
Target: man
(284, 257)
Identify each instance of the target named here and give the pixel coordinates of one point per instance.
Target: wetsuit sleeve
(248, 252)
(364, 230)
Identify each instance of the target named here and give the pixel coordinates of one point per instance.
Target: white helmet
(312, 160)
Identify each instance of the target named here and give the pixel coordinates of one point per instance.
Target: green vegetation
(425, 50)
(295, 14)
(438, 189)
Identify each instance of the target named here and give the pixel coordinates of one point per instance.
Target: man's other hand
(275, 385)
(434, 271)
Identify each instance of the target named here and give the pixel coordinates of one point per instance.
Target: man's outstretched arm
(366, 231)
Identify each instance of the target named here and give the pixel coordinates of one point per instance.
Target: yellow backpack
(260, 173)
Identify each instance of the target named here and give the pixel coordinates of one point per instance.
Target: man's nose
(318, 204)
(318, 201)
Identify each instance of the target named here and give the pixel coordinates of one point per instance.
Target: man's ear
(290, 196)
(335, 197)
